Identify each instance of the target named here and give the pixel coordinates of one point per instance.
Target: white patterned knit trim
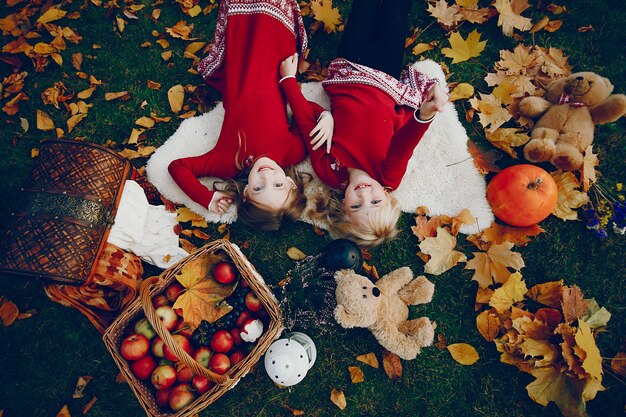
(410, 91)
(285, 11)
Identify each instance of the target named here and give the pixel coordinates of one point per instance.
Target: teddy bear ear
(343, 275)
(608, 84)
(344, 318)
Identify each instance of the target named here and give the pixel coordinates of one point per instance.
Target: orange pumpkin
(522, 195)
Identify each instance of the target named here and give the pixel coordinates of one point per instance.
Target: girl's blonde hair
(381, 225)
(261, 218)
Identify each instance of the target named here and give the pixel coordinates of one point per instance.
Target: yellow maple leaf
(447, 16)
(520, 61)
(553, 62)
(544, 352)
(463, 353)
(323, 11)
(462, 49)
(441, 251)
(522, 82)
(588, 171)
(204, 298)
(176, 97)
(592, 363)
(569, 197)
(509, 19)
(510, 293)
(507, 138)
(183, 214)
(491, 113)
(493, 265)
(425, 227)
(592, 386)
(550, 385)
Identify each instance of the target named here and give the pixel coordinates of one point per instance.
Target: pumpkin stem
(535, 184)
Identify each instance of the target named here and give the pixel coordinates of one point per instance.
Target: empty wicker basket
(114, 335)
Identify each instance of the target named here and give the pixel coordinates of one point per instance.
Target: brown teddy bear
(383, 308)
(569, 110)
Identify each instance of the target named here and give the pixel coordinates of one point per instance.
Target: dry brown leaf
(485, 161)
(447, 16)
(74, 120)
(295, 412)
(494, 264)
(425, 227)
(464, 217)
(81, 384)
(548, 293)
(133, 139)
(441, 251)
(122, 95)
(588, 171)
(145, 122)
(568, 195)
(8, 313)
(338, 398)
(420, 48)
(324, 12)
(555, 9)
(618, 363)
(89, 405)
(491, 113)
(200, 234)
(176, 97)
(592, 362)
(392, 365)
(187, 245)
(194, 47)
(120, 379)
(475, 14)
(573, 303)
(369, 359)
(584, 29)
(154, 85)
(540, 24)
(488, 325)
(224, 230)
(356, 374)
(85, 94)
(519, 236)
(510, 19)
(370, 271)
(483, 295)
(463, 353)
(77, 60)
(542, 352)
(508, 294)
(441, 342)
(141, 152)
(507, 138)
(295, 254)
(12, 107)
(163, 43)
(181, 30)
(52, 14)
(44, 122)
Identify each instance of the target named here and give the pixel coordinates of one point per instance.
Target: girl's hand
(289, 66)
(323, 131)
(221, 202)
(435, 100)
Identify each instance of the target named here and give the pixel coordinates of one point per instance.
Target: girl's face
(268, 185)
(362, 197)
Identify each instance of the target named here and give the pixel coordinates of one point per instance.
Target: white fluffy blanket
(441, 174)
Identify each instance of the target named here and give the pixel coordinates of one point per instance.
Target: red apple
(144, 327)
(219, 363)
(157, 347)
(225, 272)
(234, 332)
(243, 316)
(236, 357)
(173, 291)
(182, 342)
(168, 317)
(142, 368)
(159, 300)
(184, 329)
(202, 355)
(181, 396)
(184, 373)
(243, 283)
(201, 384)
(252, 302)
(135, 347)
(162, 397)
(163, 377)
(222, 341)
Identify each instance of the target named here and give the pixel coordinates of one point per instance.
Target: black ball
(342, 254)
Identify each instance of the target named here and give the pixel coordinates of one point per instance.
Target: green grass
(43, 356)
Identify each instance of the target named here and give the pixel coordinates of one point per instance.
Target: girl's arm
(186, 171)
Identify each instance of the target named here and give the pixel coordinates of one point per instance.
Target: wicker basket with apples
(177, 364)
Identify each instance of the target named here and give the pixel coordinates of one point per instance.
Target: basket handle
(166, 336)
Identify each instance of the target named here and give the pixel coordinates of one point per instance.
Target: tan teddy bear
(569, 110)
(382, 308)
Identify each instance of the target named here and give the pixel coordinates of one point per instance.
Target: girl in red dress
(378, 121)
(252, 37)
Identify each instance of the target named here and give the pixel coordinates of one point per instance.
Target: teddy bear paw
(567, 163)
(538, 150)
(424, 331)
